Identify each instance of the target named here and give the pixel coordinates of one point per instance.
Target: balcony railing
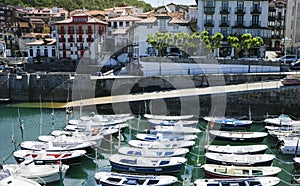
(240, 10)
(271, 18)
(255, 23)
(209, 23)
(280, 17)
(239, 23)
(209, 10)
(224, 23)
(225, 10)
(277, 36)
(256, 10)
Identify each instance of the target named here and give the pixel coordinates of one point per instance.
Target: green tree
(246, 43)
(212, 42)
(160, 41)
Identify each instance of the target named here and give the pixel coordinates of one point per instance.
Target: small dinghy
(154, 153)
(228, 123)
(177, 129)
(45, 157)
(239, 160)
(165, 137)
(289, 146)
(11, 180)
(146, 165)
(161, 144)
(60, 146)
(238, 136)
(98, 118)
(223, 171)
(185, 123)
(296, 162)
(95, 123)
(261, 181)
(40, 173)
(116, 179)
(171, 118)
(282, 120)
(240, 149)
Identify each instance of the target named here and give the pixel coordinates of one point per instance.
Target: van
(288, 59)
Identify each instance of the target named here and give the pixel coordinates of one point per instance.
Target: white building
(158, 23)
(42, 48)
(234, 17)
(292, 30)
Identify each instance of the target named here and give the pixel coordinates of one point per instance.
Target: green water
(83, 174)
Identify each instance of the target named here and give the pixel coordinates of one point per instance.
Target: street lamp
(285, 40)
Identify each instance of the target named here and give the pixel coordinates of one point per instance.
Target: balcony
(255, 23)
(208, 23)
(271, 18)
(209, 10)
(279, 27)
(239, 24)
(280, 17)
(61, 31)
(62, 40)
(225, 10)
(277, 36)
(240, 10)
(224, 23)
(256, 10)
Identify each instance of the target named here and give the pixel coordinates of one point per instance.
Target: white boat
(165, 137)
(186, 123)
(289, 146)
(146, 165)
(154, 153)
(96, 123)
(239, 159)
(46, 157)
(99, 118)
(11, 180)
(228, 123)
(281, 134)
(71, 139)
(261, 181)
(177, 129)
(282, 120)
(60, 146)
(163, 117)
(104, 130)
(116, 179)
(240, 149)
(161, 144)
(223, 171)
(238, 136)
(40, 173)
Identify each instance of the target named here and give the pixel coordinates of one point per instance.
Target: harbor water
(41, 121)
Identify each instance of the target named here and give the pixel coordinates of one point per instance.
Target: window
(255, 5)
(255, 19)
(121, 24)
(224, 18)
(149, 26)
(127, 23)
(240, 5)
(209, 3)
(209, 30)
(240, 19)
(162, 24)
(224, 32)
(224, 5)
(175, 26)
(292, 24)
(115, 25)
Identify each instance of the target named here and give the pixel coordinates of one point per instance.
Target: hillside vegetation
(78, 4)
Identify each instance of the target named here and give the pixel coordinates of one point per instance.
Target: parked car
(295, 65)
(288, 59)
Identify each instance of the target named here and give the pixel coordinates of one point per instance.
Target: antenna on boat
(250, 114)
(52, 117)
(21, 124)
(41, 116)
(13, 139)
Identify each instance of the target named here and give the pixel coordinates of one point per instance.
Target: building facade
(292, 30)
(234, 18)
(80, 36)
(277, 12)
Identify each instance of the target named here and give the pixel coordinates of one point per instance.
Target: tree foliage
(246, 42)
(212, 42)
(77, 4)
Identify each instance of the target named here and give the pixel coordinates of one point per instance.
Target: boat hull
(149, 170)
(215, 175)
(263, 163)
(71, 161)
(259, 139)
